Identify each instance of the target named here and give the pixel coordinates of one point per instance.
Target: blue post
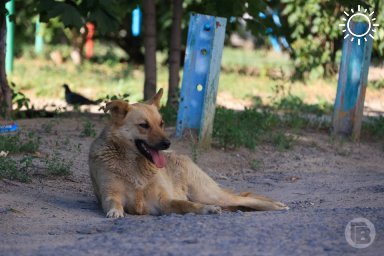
(39, 39)
(10, 6)
(136, 21)
(201, 75)
(353, 76)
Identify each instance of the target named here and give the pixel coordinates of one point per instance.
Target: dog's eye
(144, 125)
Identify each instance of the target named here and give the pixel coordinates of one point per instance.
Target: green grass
(295, 104)
(106, 75)
(251, 127)
(169, 115)
(247, 128)
(16, 167)
(57, 165)
(258, 77)
(374, 128)
(254, 59)
(282, 141)
(14, 170)
(19, 143)
(88, 129)
(377, 85)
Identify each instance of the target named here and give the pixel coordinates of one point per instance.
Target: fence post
(352, 84)
(10, 6)
(201, 75)
(39, 36)
(136, 21)
(89, 44)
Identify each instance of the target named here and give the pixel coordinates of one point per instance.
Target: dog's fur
(128, 178)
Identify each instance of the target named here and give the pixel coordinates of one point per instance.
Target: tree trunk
(78, 39)
(5, 91)
(174, 53)
(149, 22)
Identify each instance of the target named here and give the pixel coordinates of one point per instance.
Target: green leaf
(104, 21)
(68, 13)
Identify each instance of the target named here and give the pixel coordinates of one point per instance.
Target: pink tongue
(158, 158)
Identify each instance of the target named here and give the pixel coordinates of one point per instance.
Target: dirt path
(326, 184)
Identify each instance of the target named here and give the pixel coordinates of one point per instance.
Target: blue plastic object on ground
(10, 127)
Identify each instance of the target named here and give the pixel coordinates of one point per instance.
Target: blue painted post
(10, 6)
(39, 39)
(353, 76)
(201, 75)
(136, 21)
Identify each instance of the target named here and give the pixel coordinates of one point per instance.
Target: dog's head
(140, 126)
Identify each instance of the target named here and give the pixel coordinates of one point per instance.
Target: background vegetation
(264, 96)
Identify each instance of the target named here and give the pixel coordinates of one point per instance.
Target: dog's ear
(118, 110)
(156, 99)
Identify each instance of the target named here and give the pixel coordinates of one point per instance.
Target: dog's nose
(164, 144)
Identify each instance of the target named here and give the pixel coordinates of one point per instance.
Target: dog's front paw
(115, 213)
(211, 209)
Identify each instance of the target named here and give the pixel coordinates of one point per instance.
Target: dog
(133, 172)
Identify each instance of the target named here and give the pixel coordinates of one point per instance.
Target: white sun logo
(361, 13)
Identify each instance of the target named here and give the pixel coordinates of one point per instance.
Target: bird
(73, 98)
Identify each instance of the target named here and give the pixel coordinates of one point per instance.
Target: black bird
(73, 98)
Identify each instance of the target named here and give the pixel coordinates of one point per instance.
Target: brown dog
(130, 172)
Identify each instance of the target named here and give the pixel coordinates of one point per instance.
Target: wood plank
(208, 115)
(352, 83)
(200, 77)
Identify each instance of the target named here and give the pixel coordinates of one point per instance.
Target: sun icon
(362, 14)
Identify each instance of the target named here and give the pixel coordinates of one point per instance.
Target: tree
(316, 39)
(149, 22)
(5, 91)
(72, 13)
(123, 37)
(126, 41)
(174, 53)
(75, 15)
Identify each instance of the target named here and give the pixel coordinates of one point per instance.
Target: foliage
(378, 84)
(248, 128)
(57, 165)
(232, 129)
(294, 104)
(59, 17)
(20, 143)
(316, 39)
(13, 170)
(20, 99)
(310, 26)
(283, 100)
(169, 114)
(108, 98)
(374, 127)
(77, 13)
(282, 141)
(88, 129)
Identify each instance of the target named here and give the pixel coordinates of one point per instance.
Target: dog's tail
(203, 189)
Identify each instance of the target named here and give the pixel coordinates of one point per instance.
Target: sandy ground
(325, 183)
